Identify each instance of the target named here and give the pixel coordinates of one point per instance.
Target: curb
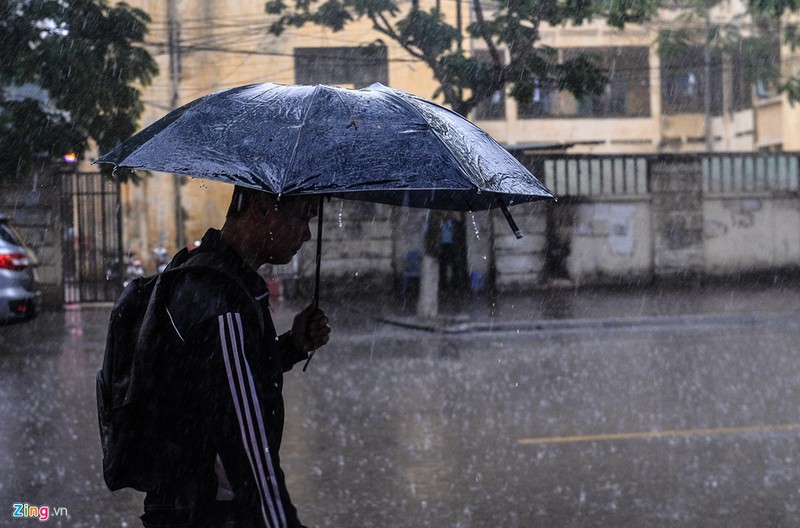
(718, 319)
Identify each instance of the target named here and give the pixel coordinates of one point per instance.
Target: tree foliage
(68, 74)
(753, 37)
(769, 16)
(510, 27)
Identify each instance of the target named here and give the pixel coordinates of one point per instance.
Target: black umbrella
(376, 144)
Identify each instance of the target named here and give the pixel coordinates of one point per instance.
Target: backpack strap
(209, 260)
(157, 315)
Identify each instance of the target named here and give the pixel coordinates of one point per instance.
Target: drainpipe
(173, 24)
(707, 85)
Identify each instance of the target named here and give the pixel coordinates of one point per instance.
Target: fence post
(676, 186)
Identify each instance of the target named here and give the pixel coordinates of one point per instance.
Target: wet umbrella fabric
(376, 144)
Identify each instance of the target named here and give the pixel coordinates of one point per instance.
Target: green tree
(68, 75)
(753, 37)
(463, 79)
(770, 20)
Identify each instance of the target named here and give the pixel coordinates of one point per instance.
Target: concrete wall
(679, 229)
(746, 233)
(520, 263)
(357, 239)
(611, 240)
(676, 209)
(34, 207)
(618, 241)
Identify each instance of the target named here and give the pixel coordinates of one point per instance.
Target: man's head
(266, 229)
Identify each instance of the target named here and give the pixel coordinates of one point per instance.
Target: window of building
(495, 106)
(343, 66)
(627, 93)
(765, 52)
(741, 81)
(683, 81)
(543, 102)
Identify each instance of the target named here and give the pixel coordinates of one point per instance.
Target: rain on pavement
(693, 422)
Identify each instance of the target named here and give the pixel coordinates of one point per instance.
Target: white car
(19, 295)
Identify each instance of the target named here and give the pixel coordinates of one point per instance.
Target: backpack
(135, 455)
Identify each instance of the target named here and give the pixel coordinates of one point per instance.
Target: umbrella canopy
(376, 144)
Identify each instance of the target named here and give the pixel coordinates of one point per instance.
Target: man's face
(284, 225)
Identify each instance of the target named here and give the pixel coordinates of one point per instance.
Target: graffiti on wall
(611, 221)
(739, 214)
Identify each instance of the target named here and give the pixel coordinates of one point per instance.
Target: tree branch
(387, 30)
(485, 33)
(381, 24)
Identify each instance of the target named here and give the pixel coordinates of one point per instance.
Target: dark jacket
(221, 399)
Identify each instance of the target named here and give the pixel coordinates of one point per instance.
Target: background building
(654, 103)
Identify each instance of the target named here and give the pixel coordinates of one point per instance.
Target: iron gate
(92, 237)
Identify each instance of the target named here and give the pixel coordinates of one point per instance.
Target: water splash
(475, 226)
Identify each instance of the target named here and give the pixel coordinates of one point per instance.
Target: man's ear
(260, 208)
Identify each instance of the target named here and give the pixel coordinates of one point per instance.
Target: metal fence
(92, 237)
(759, 173)
(595, 176)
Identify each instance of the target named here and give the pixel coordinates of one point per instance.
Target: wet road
(695, 424)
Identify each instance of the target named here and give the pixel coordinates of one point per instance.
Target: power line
(369, 61)
(218, 42)
(240, 21)
(260, 30)
(222, 49)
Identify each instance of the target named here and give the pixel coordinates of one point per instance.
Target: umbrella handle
(512, 224)
(319, 250)
(319, 265)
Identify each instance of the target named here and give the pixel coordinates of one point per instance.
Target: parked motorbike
(162, 258)
(133, 269)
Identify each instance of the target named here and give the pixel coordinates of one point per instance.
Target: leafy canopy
(513, 25)
(68, 74)
(758, 46)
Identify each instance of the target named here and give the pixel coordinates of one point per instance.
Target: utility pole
(173, 43)
(707, 83)
(459, 22)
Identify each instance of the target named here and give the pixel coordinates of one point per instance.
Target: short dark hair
(241, 199)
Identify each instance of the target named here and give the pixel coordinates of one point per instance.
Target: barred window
(355, 67)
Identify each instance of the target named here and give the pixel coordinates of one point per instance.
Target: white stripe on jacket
(251, 423)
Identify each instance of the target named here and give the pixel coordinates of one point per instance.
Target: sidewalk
(730, 302)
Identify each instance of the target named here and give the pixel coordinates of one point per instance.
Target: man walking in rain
(221, 397)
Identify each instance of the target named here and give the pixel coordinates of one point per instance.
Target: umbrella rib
(290, 165)
(267, 87)
(416, 110)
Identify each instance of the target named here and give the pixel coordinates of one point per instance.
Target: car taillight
(19, 307)
(14, 261)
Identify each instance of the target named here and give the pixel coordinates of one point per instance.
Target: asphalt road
(690, 423)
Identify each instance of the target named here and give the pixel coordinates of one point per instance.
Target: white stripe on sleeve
(253, 432)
